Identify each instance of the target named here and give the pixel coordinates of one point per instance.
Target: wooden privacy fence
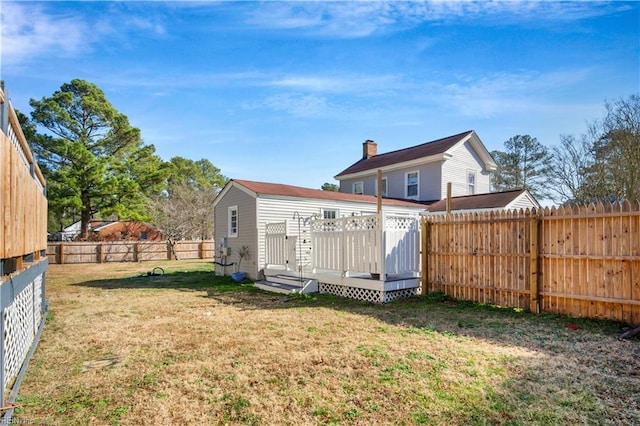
(128, 251)
(23, 240)
(582, 261)
(23, 204)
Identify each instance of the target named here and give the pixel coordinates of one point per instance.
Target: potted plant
(242, 254)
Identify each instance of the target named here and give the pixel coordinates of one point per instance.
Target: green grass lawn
(121, 347)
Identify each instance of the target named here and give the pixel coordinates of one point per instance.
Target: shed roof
(278, 189)
(427, 149)
(492, 200)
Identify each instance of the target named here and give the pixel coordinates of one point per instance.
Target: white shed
(244, 208)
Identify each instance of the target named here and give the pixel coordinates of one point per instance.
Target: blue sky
(287, 91)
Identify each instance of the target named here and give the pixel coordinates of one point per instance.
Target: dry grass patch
(191, 348)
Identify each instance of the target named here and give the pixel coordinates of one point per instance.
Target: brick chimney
(369, 149)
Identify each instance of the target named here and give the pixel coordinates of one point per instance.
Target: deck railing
(351, 245)
(382, 245)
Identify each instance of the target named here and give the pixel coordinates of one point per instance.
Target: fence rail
(580, 260)
(127, 251)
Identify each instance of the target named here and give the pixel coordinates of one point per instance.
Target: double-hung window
(358, 188)
(412, 182)
(329, 214)
(233, 221)
(471, 182)
(384, 187)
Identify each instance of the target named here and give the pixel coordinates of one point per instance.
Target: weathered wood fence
(23, 241)
(127, 251)
(582, 261)
(23, 203)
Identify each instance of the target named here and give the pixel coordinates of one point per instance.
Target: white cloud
(356, 83)
(147, 25)
(28, 32)
(503, 93)
(297, 104)
(360, 19)
(338, 19)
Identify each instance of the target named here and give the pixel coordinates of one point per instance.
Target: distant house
(100, 230)
(243, 209)
(507, 200)
(421, 172)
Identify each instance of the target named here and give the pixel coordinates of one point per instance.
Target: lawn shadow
(555, 351)
(549, 333)
(177, 280)
(434, 313)
(583, 345)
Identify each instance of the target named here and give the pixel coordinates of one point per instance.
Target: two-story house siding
(422, 172)
(464, 161)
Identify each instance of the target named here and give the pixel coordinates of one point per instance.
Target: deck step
(277, 287)
(287, 280)
(287, 285)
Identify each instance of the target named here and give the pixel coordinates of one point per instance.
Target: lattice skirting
(368, 295)
(397, 294)
(21, 321)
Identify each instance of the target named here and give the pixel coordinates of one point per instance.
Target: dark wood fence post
(425, 256)
(534, 250)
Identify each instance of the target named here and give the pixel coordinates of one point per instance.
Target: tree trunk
(85, 219)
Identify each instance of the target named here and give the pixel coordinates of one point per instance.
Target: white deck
(374, 257)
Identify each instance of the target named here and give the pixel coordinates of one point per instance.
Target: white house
(338, 242)
(244, 209)
(422, 172)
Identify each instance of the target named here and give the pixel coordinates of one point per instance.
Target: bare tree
(604, 163)
(184, 213)
(569, 171)
(617, 150)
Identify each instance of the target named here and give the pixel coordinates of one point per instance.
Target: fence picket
(126, 251)
(582, 260)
